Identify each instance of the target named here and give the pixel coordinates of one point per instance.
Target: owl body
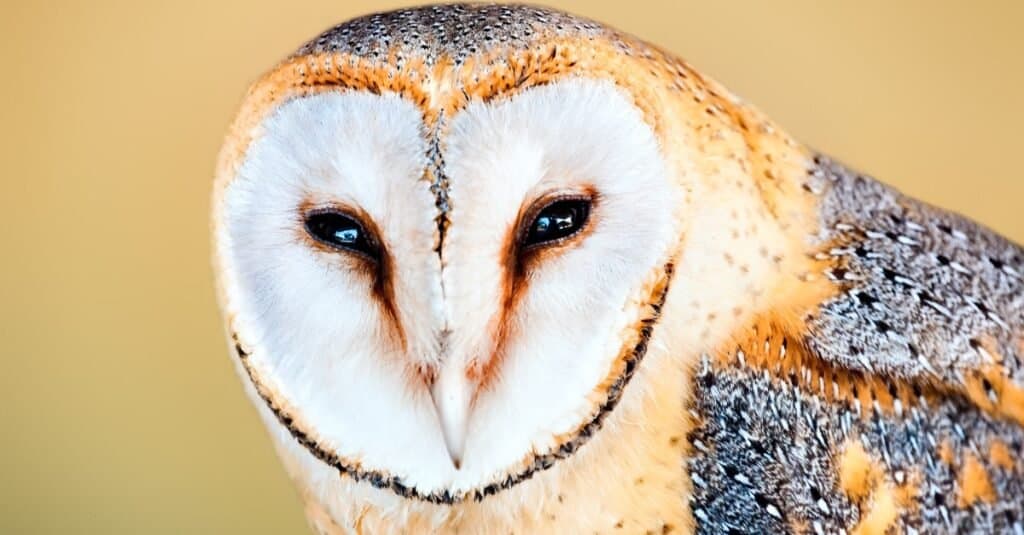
(498, 269)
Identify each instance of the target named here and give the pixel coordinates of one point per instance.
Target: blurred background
(121, 409)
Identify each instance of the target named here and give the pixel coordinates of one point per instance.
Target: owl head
(445, 238)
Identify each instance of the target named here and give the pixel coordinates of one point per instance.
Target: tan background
(120, 408)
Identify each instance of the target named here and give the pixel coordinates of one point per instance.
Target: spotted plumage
(726, 332)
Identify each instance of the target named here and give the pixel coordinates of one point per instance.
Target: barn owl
(500, 269)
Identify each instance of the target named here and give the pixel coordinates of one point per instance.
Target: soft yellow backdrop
(120, 409)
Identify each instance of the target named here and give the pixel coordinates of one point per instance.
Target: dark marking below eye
(350, 230)
(546, 222)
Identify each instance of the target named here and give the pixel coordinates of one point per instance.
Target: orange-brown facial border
(442, 87)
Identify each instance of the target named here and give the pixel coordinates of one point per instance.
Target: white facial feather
(315, 332)
(566, 137)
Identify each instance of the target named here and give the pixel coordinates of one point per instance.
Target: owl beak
(452, 394)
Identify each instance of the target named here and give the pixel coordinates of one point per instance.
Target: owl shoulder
(924, 295)
(894, 403)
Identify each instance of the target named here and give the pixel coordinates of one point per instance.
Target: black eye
(558, 220)
(341, 232)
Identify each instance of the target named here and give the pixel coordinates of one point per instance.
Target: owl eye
(341, 231)
(558, 220)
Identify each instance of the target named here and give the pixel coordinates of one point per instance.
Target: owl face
(450, 307)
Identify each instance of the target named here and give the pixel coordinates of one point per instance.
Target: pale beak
(452, 392)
